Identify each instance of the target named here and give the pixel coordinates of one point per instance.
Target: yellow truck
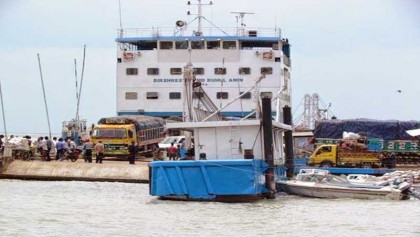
(331, 155)
(117, 133)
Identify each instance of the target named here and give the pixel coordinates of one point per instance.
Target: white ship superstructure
(227, 61)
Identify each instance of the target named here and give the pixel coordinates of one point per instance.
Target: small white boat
(321, 184)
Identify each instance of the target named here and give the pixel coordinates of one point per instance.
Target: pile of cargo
(410, 176)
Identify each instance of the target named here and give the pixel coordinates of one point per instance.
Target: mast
(7, 149)
(45, 98)
(199, 17)
(81, 84)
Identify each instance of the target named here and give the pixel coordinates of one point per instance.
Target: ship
(227, 60)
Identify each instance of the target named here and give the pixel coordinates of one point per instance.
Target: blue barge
(209, 180)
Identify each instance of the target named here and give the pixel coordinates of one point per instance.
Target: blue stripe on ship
(179, 114)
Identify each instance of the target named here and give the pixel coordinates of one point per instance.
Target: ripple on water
(31, 208)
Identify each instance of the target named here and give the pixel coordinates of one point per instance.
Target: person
(132, 151)
(172, 151)
(53, 152)
(60, 148)
(182, 151)
(49, 145)
(71, 144)
(99, 151)
(1, 143)
(38, 146)
(392, 161)
(87, 147)
(44, 149)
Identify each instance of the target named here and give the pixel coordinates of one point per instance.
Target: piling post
(268, 146)
(288, 141)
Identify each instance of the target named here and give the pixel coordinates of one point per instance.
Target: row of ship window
(199, 71)
(197, 44)
(177, 95)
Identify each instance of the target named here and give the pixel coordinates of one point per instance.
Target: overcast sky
(355, 54)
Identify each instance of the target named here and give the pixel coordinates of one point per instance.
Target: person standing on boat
(172, 151)
(132, 151)
(99, 151)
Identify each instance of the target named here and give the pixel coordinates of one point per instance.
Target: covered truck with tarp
(118, 132)
(386, 137)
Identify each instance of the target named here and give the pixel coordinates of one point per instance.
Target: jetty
(108, 171)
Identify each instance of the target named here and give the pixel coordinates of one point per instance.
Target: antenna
(241, 28)
(199, 15)
(121, 29)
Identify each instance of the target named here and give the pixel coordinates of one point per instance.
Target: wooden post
(287, 118)
(267, 126)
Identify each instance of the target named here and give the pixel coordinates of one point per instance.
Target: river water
(34, 208)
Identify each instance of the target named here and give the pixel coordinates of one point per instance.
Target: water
(33, 208)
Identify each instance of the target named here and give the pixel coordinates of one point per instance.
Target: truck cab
(115, 138)
(324, 156)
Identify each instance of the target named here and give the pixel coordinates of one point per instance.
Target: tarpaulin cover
(139, 121)
(383, 129)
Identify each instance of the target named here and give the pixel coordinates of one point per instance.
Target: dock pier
(108, 171)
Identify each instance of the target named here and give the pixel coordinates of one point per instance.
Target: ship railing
(209, 31)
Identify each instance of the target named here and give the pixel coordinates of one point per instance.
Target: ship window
(131, 71)
(152, 95)
(266, 94)
(213, 44)
(267, 70)
(176, 71)
(197, 95)
(153, 71)
(244, 71)
(246, 95)
(199, 71)
(131, 95)
(222, 95)
(174, 95)
(220, 71)
(197, 44)
(166, 45)
(181, 44)
(229, 44)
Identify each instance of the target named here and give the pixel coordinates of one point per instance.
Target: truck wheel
(367, 165)
(326, 164)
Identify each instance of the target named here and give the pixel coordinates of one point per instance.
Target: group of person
(89, 148)
(177, 152)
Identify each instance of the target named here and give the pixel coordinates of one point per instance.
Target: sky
(355, 54)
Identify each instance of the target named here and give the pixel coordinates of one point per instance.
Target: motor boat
(321, 184)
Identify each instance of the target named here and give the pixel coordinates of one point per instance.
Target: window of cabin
(229, 44)
(181, 44)
(244, 71)
(166, 45)
(174, 95)
(131, 95)
(245, 95)
(213, 44)
(197, 44)
(220, 71)
(131, 71)
(151, 95)
(198, 71)
(267, 70)
(222, 95)
(153, 71)
(176, 71)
